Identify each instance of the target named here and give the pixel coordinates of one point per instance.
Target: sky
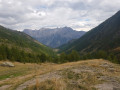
(35, 14)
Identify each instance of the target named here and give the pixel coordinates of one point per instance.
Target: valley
(59, 45)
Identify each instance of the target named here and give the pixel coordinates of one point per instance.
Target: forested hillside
(15, 45)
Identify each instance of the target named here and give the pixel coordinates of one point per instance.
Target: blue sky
(36, 14)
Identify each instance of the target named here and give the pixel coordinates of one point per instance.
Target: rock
(7, 64)
(106, 65)
(108, 86)
(104, 86)
(111, 69)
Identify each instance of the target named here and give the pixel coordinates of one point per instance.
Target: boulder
(7, 64)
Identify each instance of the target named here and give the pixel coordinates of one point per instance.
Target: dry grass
(70, 80)
(54, 84)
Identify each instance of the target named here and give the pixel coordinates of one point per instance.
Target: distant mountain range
(105, 36)
(54, 37)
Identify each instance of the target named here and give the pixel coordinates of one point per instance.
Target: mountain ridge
(54, 37)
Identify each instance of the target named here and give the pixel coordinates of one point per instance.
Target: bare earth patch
(108, 86)
(5, 87)
(40, 78)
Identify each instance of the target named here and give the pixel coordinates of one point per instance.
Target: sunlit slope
(22, 41)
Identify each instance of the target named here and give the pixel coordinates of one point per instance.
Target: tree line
(15, 54)
(75, 56)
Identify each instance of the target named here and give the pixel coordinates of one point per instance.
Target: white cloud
(35, 14)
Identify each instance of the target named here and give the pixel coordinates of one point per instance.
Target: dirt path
(5, 87)
(40, 78)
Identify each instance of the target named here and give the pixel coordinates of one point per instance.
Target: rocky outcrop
(7, 64)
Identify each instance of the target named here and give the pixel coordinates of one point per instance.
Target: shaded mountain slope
(106, 37)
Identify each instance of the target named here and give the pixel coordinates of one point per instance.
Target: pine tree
(74, 56)
(43, 57)
(63, 57)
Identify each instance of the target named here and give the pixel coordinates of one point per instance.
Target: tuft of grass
(48, 85)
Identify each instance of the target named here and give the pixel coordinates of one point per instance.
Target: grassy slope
(86, 75)
(23, 41)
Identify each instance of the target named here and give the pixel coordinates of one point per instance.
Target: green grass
(11, 72)
(11, 75)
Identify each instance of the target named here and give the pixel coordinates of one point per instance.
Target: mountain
(105, 36)
(54, 37)
(15, 41)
